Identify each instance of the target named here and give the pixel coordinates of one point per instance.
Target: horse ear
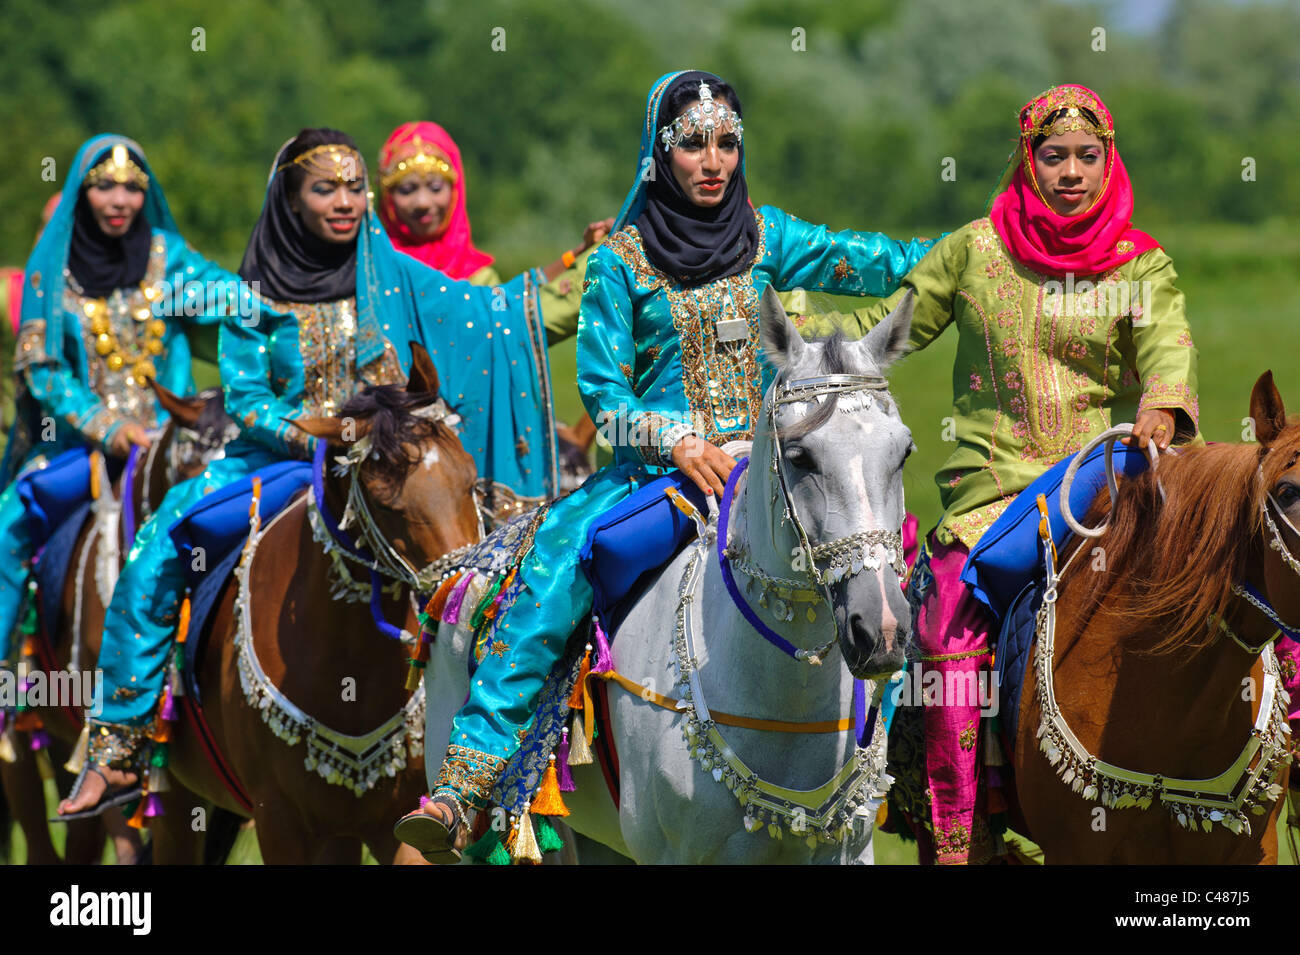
(782, 345)
(424, 374)
(335, 431)
(184, 411)
(887, 342)
(1267, 410)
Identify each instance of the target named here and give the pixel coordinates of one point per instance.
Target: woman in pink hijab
(423, 207)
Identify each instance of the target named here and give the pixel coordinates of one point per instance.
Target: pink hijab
(1088, 244)
(451, 251)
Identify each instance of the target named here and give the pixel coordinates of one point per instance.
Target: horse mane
(395, 427)
(1174, 561)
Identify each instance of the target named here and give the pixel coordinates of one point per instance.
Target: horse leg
(127, 845)
(283, 835)
(176, 840)
(338, 850)
(25, 791)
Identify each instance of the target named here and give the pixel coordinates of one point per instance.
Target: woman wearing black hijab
(669, 364)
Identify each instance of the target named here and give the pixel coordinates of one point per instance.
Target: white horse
(816, 518)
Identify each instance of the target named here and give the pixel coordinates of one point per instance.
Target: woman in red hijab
(1068, 321)
(423, 207)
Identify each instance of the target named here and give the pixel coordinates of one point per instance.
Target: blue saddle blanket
(1009, 554)
(57, 491)
(636, 537)
(218, 524)
(1005, 570)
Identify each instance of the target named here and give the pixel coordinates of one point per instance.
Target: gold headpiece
(120, 168)
(427, 158)
(1061, 110)
(705, 119)
(331, 160)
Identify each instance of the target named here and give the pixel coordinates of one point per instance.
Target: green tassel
(423, 619)
(477, 620)
(548, 840)
(159, 757)
(499, 855)
(489, 849)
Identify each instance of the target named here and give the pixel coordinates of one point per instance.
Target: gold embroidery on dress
(722, 380)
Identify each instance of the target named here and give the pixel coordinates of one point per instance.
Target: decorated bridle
(367, 545)
(845, 556)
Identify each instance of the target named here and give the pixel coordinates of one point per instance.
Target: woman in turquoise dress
(327, 307)
(100, 316)
(669, 367)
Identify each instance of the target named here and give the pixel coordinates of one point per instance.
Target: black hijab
(100, 263)
(289, 263)
(692, 244)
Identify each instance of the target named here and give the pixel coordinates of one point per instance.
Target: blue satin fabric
(631, 377)
(482, 340)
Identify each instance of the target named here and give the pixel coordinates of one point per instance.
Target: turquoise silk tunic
(288, 360)
(72, 398)
(650, 369)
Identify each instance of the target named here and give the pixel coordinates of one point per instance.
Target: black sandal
(430, 835)
(113, 796)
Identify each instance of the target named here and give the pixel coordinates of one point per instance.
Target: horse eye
(1288, 495)
(800, 458)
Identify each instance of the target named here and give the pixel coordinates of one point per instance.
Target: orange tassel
(548, 801)
(576, 698)
(138, 821)
(94, 475)
(438, 602)
(162, 730)
(183, 627)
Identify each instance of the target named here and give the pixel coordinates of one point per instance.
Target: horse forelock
(836, 358)
(395, 427)
(1175, 561)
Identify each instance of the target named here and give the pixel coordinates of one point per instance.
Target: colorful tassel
(159, 780)
(7, 753)
(579, 750)
(524, 851)
(183, 625)
(40, 740)
(548, 840)
(576, 701)
(562, 761)
(438, 602)
(604, 656)
(548, 801)
(78, 758)
(137, 820)
(153, 806)
(95, 459)
(485, 602)
(418, 662)
(168, 705)
(451, 614)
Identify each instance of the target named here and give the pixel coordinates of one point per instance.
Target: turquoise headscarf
(43, 283)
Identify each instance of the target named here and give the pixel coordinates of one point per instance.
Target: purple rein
(336, 532)
(864, 722)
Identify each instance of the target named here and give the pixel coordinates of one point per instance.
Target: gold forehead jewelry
(120, 168)
(1068, 105)
(706, 119)
(331, 160)
(428, 158)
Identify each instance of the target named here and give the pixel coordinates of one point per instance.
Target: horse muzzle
(874, 623)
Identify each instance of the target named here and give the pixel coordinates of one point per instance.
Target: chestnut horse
(197, 430)
(1157, 665)
(324, 660)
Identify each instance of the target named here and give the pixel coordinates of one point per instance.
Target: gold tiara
(120, 168)
(331, 160)
(422, 162)
(1068, 105)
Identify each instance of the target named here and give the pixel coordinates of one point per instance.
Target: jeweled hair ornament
(1065, 109)
(331, 160)
(707, 119)
(119, 168)
(427, 158)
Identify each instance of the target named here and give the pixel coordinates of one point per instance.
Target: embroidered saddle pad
(1009, 554)
(218, 523)
(636, 537)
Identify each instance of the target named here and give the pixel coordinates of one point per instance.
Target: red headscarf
(1087, 244)
(451, 250)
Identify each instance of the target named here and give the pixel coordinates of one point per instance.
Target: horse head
(1278, 497)
(197, 432)
(396, 446)
(833, 482)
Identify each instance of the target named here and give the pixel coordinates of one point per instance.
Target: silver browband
(801, 388)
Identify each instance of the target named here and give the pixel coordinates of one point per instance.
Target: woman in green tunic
(1068, 321)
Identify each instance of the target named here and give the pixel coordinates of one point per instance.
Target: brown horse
(1142, 678)
(324, 659)
(197, 429)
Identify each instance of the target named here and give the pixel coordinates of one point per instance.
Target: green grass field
(1243, 302)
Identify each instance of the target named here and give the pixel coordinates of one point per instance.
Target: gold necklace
(149, 332)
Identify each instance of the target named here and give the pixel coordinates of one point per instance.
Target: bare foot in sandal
(98, 780)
